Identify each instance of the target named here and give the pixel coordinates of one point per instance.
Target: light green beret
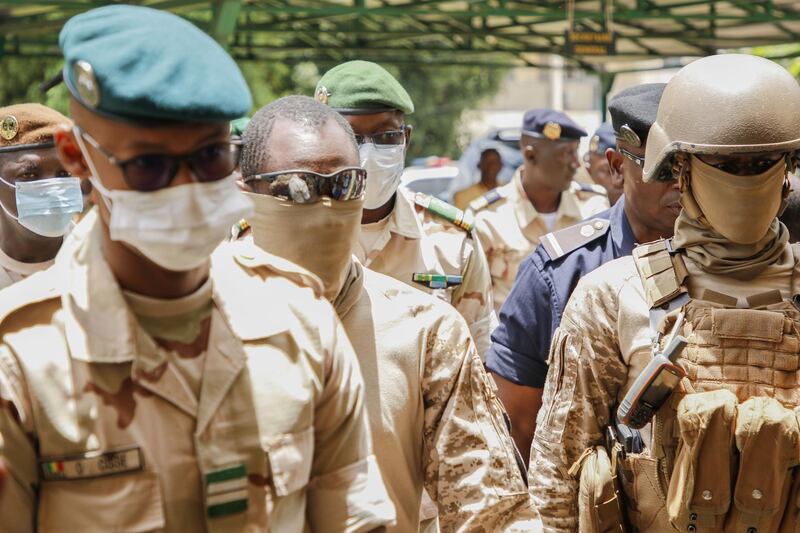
(362, 87)
(137, 63)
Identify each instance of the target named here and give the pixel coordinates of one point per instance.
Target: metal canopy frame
(489, 33)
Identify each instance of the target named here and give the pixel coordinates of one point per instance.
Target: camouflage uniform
(509, 227)
(101, 432)
(417, 241)
(434, 416)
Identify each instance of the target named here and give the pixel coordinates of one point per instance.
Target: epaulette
(489, 198)
(239, 229)
(559, 243)
(444, 210)
(588, 187)
(661, 272)
(436, 281)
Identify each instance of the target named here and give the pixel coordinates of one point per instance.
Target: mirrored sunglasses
(305, 186)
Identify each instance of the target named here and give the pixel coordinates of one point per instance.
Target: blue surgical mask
(46, 206)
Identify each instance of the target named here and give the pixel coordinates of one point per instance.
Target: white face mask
(384, 168)
(176, 228)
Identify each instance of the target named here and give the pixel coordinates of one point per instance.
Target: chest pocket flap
(290, 457)
(747, 324)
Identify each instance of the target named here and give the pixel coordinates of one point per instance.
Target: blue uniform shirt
(533, 309)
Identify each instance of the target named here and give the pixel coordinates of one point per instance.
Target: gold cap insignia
(552, 130)
(594, 144)
(629, 136)
(86, 84)
(322, 95)
(9, 127)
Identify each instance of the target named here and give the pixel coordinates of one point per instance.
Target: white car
(434, 181)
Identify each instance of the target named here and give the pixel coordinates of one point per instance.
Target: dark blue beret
(634, 110)
(551, 124)
(603, 139)
(136, 63)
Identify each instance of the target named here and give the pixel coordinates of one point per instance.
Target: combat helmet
(723, 104)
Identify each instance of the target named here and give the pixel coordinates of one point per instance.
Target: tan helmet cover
(725, 104)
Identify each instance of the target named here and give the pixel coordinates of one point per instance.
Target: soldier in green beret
(414, 238)
(129, 401)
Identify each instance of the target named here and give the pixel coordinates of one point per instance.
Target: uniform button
(587, 231)
(693, 517)
(598, 225)
(691, 528)
(706, 495)
(752, 530)
(757, 495)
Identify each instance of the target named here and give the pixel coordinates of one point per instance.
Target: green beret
(239, 125)
(360, 88)
(136, 63)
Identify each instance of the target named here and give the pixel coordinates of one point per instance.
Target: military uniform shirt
(416, 241)
(435, 420)
(510, 228)
(603, 343)
(533, 309)
(101, 434)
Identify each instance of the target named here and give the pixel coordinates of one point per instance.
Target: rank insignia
(322, 94)
(552, 130)
(9, 127)
(226, 491)
(629, 136)
(86, 84)
(436, 281)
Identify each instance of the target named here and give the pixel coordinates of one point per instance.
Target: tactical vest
(726, 446)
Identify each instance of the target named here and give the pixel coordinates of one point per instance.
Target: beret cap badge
(322, 94)
(552, 130)
(87, 87)
(629, 136)
(594, 144)
(9, 127)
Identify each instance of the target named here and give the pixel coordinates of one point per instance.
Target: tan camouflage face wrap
(725, 104)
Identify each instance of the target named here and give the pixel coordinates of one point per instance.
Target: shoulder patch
(444, 210)
(436, 281)
(489, 198)
(564, 241)
(661, 277)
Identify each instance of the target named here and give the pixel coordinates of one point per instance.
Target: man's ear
(69, 153)
(615, 161)
(529, 153)
(409, 129)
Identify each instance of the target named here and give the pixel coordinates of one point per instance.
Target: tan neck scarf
(718, 255)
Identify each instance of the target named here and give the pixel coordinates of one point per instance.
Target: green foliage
(440, 93)
(20, 79)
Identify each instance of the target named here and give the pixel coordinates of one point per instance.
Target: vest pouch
(767, 436)
(642, 485)
(599, 500)
(699, 493)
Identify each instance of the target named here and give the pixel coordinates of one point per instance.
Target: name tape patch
(92, 464)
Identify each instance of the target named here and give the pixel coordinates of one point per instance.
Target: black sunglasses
(150, 172)
(664, 175)
(306, 187)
